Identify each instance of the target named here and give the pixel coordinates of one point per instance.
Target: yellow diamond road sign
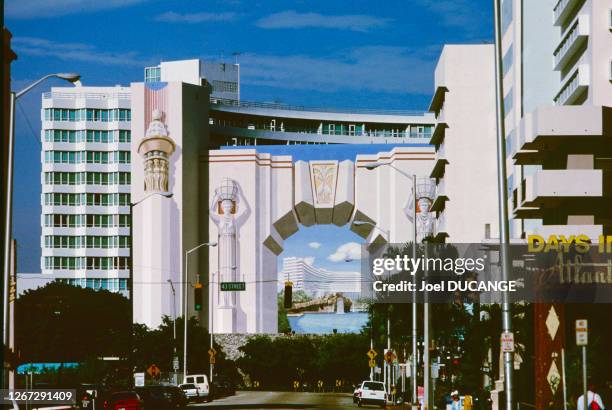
(212, 351)
(372, 353)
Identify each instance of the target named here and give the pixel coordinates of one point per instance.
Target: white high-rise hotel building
(86, 186)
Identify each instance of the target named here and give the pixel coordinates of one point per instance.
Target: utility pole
(502, 190)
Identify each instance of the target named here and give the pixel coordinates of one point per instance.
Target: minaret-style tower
(156, 147)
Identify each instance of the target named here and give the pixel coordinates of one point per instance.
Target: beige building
(557, 99)
(464, 137)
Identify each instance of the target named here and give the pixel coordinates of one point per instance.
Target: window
(506, 15)
(508, 102)
(225, 86)
(152, 74)
(507, 60)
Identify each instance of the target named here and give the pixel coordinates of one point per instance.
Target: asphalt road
(282, 400)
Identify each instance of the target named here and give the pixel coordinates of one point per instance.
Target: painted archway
(277, 195)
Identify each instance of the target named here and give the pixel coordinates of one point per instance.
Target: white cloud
(172, 17)
(346, 252)
(293, 19)
(463, 14)
(372, 68)
(314, 245)
(27, 9)
(41, 47)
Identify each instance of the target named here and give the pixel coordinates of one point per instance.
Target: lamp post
(173, 328)
(8, 217)
(502, 192)
(185, 307)
(413, 381)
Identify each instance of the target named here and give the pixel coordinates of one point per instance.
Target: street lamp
(173, 327)
(374, 165)
(8, 217)
(185, 307)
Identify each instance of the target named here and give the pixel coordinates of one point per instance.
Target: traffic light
(197, 298)
(288, 294)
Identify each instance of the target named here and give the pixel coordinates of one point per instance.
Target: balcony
(572, 40)
(438, 99)
(548, 187)
(577, 83)
(439, 168)
(439, 132)
(563, 11)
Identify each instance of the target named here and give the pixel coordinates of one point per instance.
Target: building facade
(557, 99)
(317, 282)
(86, 140)
(464, 137)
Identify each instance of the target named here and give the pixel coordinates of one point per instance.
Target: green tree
(63, 323)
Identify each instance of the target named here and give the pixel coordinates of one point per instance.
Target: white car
(370, 392)
(201, 382)
(191, 391)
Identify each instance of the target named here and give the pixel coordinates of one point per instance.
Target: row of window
(86, 241)
(88, 114)
(87, 262)
(89, 157)
(89, 178)
(110, 284)
(225, 86)
(89, 221)
(63, 199)
(102, 136)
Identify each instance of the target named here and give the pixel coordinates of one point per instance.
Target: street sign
(139, 379)
(372, 353)
(153, 370)
(212, 351)
(507, 342)
(377, 370)
(212, 360)
(175, 363)
(435, 370)
(233, 286)
(372, 363)
(582, 332)
(389, 356)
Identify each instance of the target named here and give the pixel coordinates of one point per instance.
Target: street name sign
(507, 342)
(582, 332)
(233, 286)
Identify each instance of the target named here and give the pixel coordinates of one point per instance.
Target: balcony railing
(89, 96)
(563, 11)
(279, 106)
(571, 41)
(577, 82)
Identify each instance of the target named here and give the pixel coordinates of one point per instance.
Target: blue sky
(309, 52)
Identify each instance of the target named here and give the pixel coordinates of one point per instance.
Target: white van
(201, 382)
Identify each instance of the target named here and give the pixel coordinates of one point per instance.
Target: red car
(123, 400)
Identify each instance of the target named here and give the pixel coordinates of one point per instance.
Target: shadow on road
(262, 406)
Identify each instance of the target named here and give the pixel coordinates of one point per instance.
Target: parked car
(191, 391)
(201, 382)
(162, 396)
(372, 393)
(90, 395)
(222, 388)
(123, 400)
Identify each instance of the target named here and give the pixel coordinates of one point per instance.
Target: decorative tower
(156, 147)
